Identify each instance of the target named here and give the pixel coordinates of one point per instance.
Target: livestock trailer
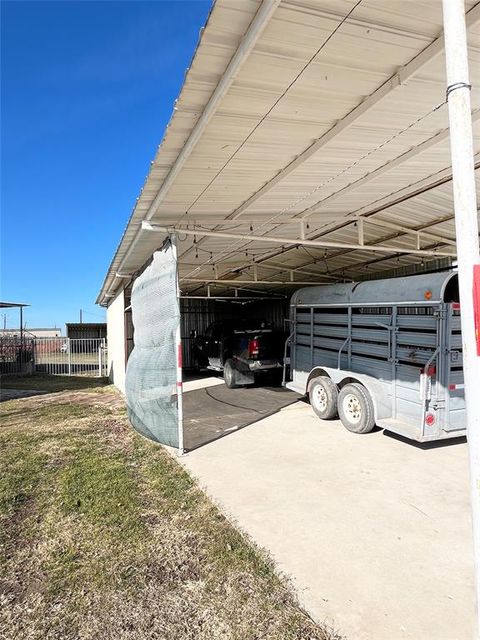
(385, 352)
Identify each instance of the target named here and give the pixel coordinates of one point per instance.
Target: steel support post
(178, 351)
(461, 149)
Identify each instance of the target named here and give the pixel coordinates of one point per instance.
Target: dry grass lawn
(105, 536)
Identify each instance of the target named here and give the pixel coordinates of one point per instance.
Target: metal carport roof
(320, 123)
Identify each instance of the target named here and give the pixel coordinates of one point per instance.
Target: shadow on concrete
(435, 444)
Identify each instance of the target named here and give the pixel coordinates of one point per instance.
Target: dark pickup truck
(241, 349)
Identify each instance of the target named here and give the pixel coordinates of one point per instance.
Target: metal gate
(71, 356)
(54, 356)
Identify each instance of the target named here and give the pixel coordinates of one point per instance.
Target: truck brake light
(253, 347)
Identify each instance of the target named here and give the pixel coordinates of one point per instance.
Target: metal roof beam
(406, 230)
(147, 226)
(197, 220)
(397, 197)
(396, 80)
(422, 186)
(278, 268)
(238, 281)
(330, 275)
(369, 247)
(383, 204)
(239, 299)
(388, 166)
(255, 30)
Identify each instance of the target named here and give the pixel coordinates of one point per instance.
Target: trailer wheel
(355, 408)
(323, 394)
(230, 374)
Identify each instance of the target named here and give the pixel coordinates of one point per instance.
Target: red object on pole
(179, 355)
(476, 303)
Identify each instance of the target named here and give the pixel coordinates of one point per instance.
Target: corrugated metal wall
(197, 314)
(426, 266)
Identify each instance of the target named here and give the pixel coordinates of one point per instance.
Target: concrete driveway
(374, 532)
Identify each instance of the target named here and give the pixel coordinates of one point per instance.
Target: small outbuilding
(86, 330)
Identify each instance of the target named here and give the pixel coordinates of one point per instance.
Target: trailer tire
(355, 408)
(323, 395)
(230, 374)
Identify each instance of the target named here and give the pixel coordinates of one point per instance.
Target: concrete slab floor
(374, 532)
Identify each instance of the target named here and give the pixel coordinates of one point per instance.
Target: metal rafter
(373, 175)
(386, 202)
(294, 241)
(254, 282)
(399, 78)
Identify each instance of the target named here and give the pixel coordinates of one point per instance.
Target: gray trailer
(385, 352)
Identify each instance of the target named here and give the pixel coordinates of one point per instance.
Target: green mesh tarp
(151, 377)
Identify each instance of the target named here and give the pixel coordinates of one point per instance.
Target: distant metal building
(37, 332)
(88, 330)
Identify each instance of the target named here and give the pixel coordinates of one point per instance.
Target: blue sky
(87, 90)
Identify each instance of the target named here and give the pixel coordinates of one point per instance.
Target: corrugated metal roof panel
(312, 76)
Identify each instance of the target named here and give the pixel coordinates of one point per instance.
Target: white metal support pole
(104, 357)
(461, 149)
(69, 350)
(361, 234)
(178, 349)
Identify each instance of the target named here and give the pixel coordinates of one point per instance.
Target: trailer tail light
(429, 419)
(253, 347)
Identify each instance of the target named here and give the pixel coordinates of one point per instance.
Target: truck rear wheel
(230, 374)
(355, 408)
(323, 394)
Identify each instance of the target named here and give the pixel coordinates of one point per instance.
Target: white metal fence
(71, 356)
(54, 356)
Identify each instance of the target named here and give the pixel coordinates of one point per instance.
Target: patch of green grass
(120, 542)
(52, 384)
(21, 467)
(175, 489)
(100, 488)
(66, 411)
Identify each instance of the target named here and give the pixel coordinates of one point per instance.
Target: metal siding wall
(116, 340)
(427, 266)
